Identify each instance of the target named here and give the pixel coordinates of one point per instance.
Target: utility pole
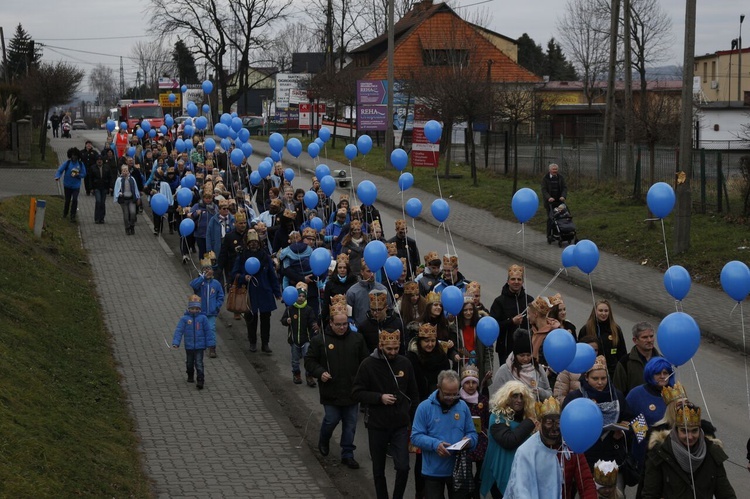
(389, 118)
(5, 56)
(739, 61)
(629, 160)
(682, 184)
(608, 156)
(122, 79)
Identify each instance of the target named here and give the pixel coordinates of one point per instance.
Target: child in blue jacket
(198, 334)
(211, 293)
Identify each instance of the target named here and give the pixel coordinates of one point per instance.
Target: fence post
(487, 149)
(637, 184)
(506, 152)
(703, 180)
(719, 182)
(562, 153)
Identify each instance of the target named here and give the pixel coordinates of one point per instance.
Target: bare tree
(608, 163)
(293, 38)
(49, 85)
(217, 27)
(102, 82)
(585, 37)
(154, 60)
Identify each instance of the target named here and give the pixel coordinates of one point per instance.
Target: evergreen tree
(23, 54)
(557, 67)
(186, 70)
(530, 55)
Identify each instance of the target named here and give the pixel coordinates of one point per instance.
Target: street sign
(423, 152)
(311, 115)
(168, 83)
(286, 82)
(164, 100)
(297, 95)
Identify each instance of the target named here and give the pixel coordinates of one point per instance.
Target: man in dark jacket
(554, 192)
(508, 310)
(232, 246)
(379, 318)
(629, 370)
(385, 382)
(333, 358)
(88, 157)
(406, 248)
(102, 183)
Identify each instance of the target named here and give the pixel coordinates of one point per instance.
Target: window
(713, 70)
(705, 72)
(445, 57)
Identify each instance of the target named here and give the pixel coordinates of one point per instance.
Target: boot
(190, 378)
(310, 381)
(253, 347)
(212, 352)
(199, 384)
(266, 349)
(297, 379)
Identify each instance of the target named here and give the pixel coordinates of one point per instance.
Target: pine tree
(531, 55)
(23, 54)
(558, 68)
(186, 70)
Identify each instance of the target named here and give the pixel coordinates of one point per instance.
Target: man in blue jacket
(441, 421)
(211, 293)
(73, 170)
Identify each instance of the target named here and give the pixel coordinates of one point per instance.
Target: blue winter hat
(194, 301)
(654, 367)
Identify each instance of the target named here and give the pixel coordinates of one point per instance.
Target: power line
(136, 59)
(87, 39)
(472, 4)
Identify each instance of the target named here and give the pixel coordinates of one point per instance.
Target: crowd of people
(385, 348)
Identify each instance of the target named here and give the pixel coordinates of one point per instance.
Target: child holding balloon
(300, 319)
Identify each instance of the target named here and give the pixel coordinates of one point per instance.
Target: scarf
(527, 374)
(472, 399)
(688, 461)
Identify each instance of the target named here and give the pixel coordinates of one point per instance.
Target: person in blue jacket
(198, 335)
(72, 171)
(211, 293)
(441, 421)
(218, 227)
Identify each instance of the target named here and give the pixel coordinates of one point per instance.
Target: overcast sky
(113, 27)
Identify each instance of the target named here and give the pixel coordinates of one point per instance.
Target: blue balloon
(244, 135)
(152, 133)
(580, 423)
(559, 349)
(234, 114)
(123, 126)
(131, 151)
(139, 133)
(188, 181)
(288, 174)
(225, 119)
(735, 280)
(320, 143)
(524, 204)
(324, 134)
(207, 86)
(187, 226)
(172, 97)
(399, 159)
(393, 268)
(586, 255)
(367, 192)
(188, 130)
(320, 260)
(111, 125)
(375, 255)
(433, 130)
(252, 265)
(311, 200)
(247, 150)
(255, 178)
(488, 330)
(322, 171)
(184, 197)
(452, 299)
(440, 210)
(188, 145)
(183, 88)
(413, 207)
(317, 224)
(276, 141)
(146, 125)
(677, 282)
(289, 295)
(226, 144)
(201, 123)
(294, 146)
(405, 181)
(238, 144)
(236, 156)
(179, 144)
(679, 337)
(569, 256)
(209, 145)
(264, 168)
(206, 108)
(350, 151)
(192, 109)
(660, 199)
(275, 156)
(364, 144)
(583, 359)
(236, 124)
(313, 150)
(189, 122)
(163, 129)
(159, 204)
(169, 121)
(328, 185)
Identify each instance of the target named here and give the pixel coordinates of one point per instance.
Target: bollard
(41, 205)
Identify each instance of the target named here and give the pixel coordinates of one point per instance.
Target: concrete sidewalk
(636, 285)
(231, 439)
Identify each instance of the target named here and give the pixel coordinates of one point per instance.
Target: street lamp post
(739, 61)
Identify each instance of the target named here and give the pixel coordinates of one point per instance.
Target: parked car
(254, 124)
(79, 124)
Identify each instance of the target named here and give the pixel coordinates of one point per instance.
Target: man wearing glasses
(441, 421)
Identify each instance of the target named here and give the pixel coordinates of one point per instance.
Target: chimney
(423, 6)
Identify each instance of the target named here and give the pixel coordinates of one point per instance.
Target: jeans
(379, 439)
(434, 486)
(347, 414)
(298, 353)
(71, 202)
(251, 321)
(158, 222)
(194, 360)
(100, 209)
(212, 322)
(201, 247)
(187, 245)
(128, 213)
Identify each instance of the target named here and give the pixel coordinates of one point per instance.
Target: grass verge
(604, 213)
(64, 425)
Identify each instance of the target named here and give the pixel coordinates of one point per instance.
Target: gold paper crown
(555, 299)
(240, 217)
(223, 203)
(289, 214)
(541, 305)
(355, 209)
(392, 249)
(355, 225)
(432, 297)
(344, 197)
(672, 393)
(338, 300)
(337, 309)
(606, 479)
(470, 371)
(206, 262)
(376, 224)
(276, 202)
(450, 261)
(549, 407)
(342, 258)
(427, 330)
(473, 288)
(411, 288)
(431, 257)
(378, 298)
(261, 227)
(301, 286)
(210, 255)
(688, 417)
(309, 232)
(599, 363)
(515, 271)
(386, 338)
(251, 235)
(400, 224)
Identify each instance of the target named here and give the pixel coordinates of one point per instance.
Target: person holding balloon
(509, 310)
(406, 247)
(301, 322)
(567, 380)
(522, 366)
(357, 296)
(411, 309)
(559, 313)
(473, 350)
(353, 245)
(126, 194)
(211, 293)
(430, 276)
(201, 213)
(602, 323)
(447, 333)
(339, 282)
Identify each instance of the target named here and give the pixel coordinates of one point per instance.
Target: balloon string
(700, 389)
(437, 174)
(591, 287)
(557, 274)
(408, 253)
(744, 351)
(351, 182)
(664, 240)
(414, 226)
(450, 235)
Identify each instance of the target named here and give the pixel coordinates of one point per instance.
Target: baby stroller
(66, 130)
(563, 228)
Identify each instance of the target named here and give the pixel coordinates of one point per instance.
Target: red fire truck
(133, 111)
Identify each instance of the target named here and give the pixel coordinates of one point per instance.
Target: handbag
(238, 301)
(463, 479)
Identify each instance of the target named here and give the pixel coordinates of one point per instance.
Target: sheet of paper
(459, 445)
